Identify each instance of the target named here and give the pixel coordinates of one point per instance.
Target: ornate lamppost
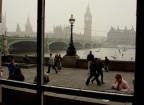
(71, 51)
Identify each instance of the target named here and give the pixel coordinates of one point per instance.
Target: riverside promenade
(76, 78)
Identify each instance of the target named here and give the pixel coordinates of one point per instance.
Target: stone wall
(114, 65)
(82, 63)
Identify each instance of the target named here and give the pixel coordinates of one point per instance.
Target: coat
(123, 86)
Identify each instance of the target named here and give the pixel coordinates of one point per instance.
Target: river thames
(122, 54)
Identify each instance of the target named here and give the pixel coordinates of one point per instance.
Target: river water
(112, 53)
(121, 54)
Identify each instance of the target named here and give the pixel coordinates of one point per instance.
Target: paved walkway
(74, 78)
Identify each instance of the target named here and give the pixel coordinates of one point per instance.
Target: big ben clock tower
(87, 25)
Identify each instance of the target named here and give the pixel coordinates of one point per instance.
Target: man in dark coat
(93, 72)
(90, 58)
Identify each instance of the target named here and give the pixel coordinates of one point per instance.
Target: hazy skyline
(105, 13)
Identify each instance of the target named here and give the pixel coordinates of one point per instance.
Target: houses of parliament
(114, 36)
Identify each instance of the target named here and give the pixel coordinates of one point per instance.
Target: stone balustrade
(128, 66)
(82, 63)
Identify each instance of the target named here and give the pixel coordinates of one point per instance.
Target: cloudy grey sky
(105, 13)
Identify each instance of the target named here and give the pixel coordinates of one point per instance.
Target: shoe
(56, 72)
(102, 82)
(48, 72)
(87, 84)
(99, 84)
(59, 68)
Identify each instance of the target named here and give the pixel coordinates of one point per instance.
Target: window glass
(105, 27)
(18, 33)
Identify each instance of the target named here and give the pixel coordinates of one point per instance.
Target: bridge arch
(95, 45)
(78, 45)
(58, 46)
(87, 45)
(22, 46)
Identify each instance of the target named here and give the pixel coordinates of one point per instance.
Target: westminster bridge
(9, 44)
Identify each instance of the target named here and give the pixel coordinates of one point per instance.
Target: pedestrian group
(95, 70)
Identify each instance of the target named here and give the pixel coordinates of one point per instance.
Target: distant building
(118, 36)
(87, 25)
(3, 27)
(28, 27)
(18, 28)
(26, 33)
(64, 32)
(58, 32)
(61, 32)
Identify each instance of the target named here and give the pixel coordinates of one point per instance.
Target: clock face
(86, 18)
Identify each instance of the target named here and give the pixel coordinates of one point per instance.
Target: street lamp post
(70, 59)
(71, 51)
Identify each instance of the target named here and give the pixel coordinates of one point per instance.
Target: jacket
(123, 86)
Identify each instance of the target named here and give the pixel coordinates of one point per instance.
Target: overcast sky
(105, 13)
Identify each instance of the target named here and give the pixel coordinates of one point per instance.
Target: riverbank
(117, 54)
(114, 65)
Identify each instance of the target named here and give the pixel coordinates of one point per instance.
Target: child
(1, 71)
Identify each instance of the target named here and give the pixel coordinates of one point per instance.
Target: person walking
(90, 58)
(59, 62)
(1, 71)
(51, 64)
(56, 60)
(106, 64)
(93, 72)
(99, 71)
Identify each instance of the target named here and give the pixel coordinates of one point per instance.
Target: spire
(28, 20)
(112, 29)
(5, 17)
(88, 9)
(18, 28)
(132, 29)
(118, 28)
(28, 27)
(88, 3)
(125, 27)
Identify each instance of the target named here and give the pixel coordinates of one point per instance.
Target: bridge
(10, 44)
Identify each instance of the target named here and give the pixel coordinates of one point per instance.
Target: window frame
(40, 88)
